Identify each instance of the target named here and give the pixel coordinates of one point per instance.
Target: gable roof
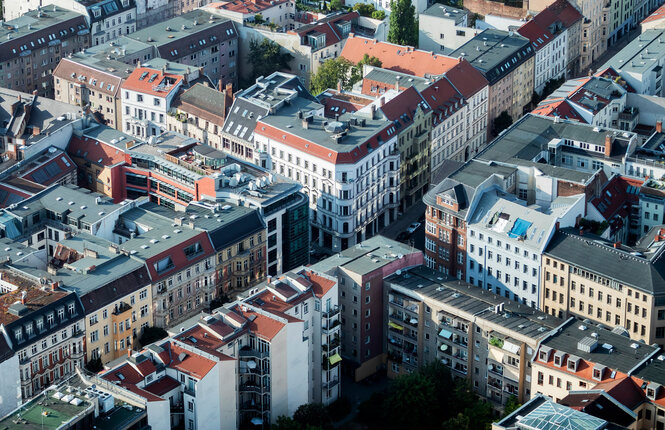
(153, 82)
(400, 58)
(326, 26)
(203, 101)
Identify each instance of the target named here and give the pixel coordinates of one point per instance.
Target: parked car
(413, 227)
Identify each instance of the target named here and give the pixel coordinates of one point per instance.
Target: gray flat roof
(357, 258)
(179, 27)
(641, 54)
(622, 356)
(446, 12)
(518, 318)
(496, 53)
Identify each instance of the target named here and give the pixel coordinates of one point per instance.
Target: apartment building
(113, 288)
(45, 329)
(568, 14)
(280, 341)
(653, 21)
(592, 100)
(548, 35)
(200, 111)
(638, 63)
(196, 39)
(595, 29)
(34, 124)
(459, 119)
(33, 44)
(147, 95)
(174, 171)
(237, 234)
(348, 167)
(507, 61)
(180, 262)
(90, 84)
(360, 273)
(605, 282)
(506, 240)
(617, 209)
(149, 13)
(480, 336)
(107, 19)
(651, 201)
(443, 29)
(99, 152)
(182, 386)
(280, 13)
(581, 356)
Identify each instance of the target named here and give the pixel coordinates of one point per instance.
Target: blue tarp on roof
(11, 225)
(519, 228)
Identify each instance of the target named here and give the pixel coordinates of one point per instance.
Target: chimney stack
(382, 101)
(339, 86)
(659, 126)
(54, 286)
(36, 130)
(24, 297)
(608, 145)
(617, 245)
(219, 85)
(372, 110)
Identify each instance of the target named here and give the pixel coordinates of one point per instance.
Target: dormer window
(572, 364)
(544, 354)
(598, 372)
(558, 358)
(96, 12)
(652, 391)
(18, 334)
(50, 318)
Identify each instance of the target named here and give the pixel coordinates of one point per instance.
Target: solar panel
(53, 169)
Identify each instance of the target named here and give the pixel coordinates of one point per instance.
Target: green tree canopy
(364, 9)
(266, 57)
(329, 74)
(379, 14)
(502, 122)
(403, 29)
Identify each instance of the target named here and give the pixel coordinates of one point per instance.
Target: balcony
(252, 353)
(329, 327)
(330, 384)
(190, 391)
(333, 312)
(495, 369)
(250, 387)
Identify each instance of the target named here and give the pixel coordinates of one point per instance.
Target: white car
(413, 227)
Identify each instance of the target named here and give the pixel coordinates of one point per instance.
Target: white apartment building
(550, 41)
(506, 239)
(349, 167)
(147, 95)
(183, 386)
(443, 29)
(281, 13)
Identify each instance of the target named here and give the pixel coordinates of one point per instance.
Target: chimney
(219, 85)
(339, 86)
(617, 245)
(129, 353)
(557, 225)
(228, 99)
(372, 110)
(659, 126)
(581, 232)
(382, 101)
(608, 145)
(36, 130)
(24, 297)
(397, 83)
(54, 286)
(305, 123)
(269, 279)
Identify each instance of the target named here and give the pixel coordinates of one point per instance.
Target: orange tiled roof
(148, 85)
(403, 59)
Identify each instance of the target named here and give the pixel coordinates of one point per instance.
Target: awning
(395, 326)
(335, 359)
(445, 333)
(443, 347)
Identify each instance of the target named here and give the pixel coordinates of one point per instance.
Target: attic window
(193, 250)
(163, 265)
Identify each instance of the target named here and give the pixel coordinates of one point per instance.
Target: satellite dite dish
(251, 364)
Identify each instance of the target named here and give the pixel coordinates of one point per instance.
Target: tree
(403, 29)
(330, 73)
(151, 334)
(266, 57)
(357, 70)
(511, 406)
(379, 14)
(313, 414)
(412, 403)
(364, 9)
(286, 423)
(336, 5)
(258, 19)
(502, 122)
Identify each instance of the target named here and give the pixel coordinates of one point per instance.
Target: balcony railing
(330, 384)
(190, 391)
(330, 326)
(334, 311)
(253, 353)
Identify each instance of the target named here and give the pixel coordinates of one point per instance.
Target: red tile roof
(261, 325)
(403, 59)
(147, 85)
(560, 10)
(177, 254)
(623, 390)
(403, 107)
(191, 364)
(538, 35)
(343, 102)
(162, 386)
(320, 284)
(246, 7)
(466, 79)
(658, 14)
(610, 73)
(443, 98)
(125, 375)
(558, 107)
